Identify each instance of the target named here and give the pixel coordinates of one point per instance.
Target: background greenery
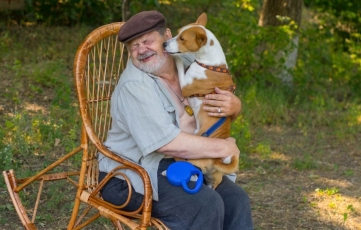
(38, 104)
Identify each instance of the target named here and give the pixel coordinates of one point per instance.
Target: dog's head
(190, 38)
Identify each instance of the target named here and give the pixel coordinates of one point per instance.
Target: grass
(39, 119)
(300, 149)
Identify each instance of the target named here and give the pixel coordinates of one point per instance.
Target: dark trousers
(227, 207)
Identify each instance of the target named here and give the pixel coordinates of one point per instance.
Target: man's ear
(168, 34)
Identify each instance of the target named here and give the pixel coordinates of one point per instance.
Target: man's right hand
(233, 149)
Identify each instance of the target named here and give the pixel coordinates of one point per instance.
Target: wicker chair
(98, 63)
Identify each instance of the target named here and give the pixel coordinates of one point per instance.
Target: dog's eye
(181, 38)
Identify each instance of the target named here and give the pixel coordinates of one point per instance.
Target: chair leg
(74, 214)
(11, 184)
(81, 180)
(15, 186)
(117, 224)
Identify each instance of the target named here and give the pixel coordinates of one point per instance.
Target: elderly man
(150, 126)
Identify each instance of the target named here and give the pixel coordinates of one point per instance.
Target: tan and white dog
(207, 72)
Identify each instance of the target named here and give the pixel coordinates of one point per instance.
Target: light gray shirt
(144, 118)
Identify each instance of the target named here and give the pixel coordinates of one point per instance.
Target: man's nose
(142, 48)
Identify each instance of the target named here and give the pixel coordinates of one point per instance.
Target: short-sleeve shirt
(144, 118)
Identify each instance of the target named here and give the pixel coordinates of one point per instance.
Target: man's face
(147, 52)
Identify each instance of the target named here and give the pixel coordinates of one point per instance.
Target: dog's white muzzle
(171, 46)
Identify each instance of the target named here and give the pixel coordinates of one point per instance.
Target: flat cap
(141, 23)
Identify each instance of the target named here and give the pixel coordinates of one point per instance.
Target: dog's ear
(202, 19)
(201, 38)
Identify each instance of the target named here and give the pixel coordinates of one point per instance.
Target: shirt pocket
(169, 108)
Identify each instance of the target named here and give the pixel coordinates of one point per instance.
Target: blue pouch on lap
(179, 174)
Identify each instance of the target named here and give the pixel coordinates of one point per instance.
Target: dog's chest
(194, 72)
(196, 104)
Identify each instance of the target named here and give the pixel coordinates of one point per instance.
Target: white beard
(154, 66)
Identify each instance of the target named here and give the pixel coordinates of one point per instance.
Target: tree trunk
(276, 13)
(288, 8)
(125, 10)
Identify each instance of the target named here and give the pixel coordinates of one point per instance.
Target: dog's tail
(232, 167)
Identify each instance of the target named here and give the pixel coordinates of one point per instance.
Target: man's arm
(189, 146)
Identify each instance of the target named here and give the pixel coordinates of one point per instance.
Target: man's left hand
(222, 104)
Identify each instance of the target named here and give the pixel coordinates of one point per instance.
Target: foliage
(241, 132)
(341, 20)
(67, 12)
(327, 191)
(345, 10)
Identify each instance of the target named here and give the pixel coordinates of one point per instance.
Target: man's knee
(210, 211)
(214, 201)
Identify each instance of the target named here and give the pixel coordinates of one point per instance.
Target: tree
(282, 12)
(125, 10)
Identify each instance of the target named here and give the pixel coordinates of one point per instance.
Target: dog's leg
(217, 176)
(196, 105)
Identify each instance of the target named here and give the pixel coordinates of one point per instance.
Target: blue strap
(214, 127)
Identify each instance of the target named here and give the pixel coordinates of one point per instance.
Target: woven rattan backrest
(98, 64)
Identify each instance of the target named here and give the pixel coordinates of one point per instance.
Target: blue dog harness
(214, 127)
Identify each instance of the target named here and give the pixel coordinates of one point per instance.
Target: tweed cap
(139, 24)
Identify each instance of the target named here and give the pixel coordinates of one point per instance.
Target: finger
(214, 109)
(216, 112)
(221, 91)
(219, 97)
(211, 109)
(217, 100)
(210, 104)
(213, 103)
(212, 114)
(231, 139)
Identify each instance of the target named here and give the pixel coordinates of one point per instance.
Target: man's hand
(233, 150)
(222, 104)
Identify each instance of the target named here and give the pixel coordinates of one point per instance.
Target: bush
(66, 13)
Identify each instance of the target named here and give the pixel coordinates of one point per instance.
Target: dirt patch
(326, 196)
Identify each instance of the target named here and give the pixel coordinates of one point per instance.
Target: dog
(207, 72)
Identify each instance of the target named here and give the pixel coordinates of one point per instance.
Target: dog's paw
(227, 160)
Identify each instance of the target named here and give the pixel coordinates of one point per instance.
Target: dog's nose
(164, 44)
